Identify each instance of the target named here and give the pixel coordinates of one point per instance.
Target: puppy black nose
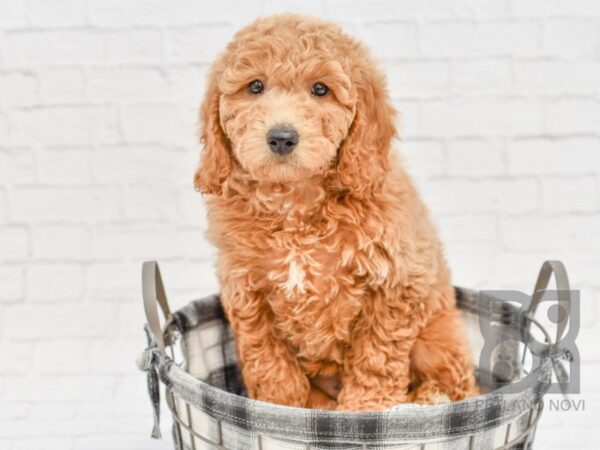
(282, 140)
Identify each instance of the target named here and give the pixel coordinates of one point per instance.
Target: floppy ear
(215, 160)
(363, 160)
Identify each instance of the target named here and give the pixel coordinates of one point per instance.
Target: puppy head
(294, 97)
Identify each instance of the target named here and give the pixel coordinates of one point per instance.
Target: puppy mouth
(284, 165)
(289, 159)
(283, 159)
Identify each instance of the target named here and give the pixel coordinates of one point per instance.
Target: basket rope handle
(153, 292)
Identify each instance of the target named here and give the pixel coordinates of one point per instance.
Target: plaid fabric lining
(208, 379)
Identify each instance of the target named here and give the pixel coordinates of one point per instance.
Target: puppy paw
(320, 400)
(281, 383)
(362, 398)
(439, 399)
(430, 393)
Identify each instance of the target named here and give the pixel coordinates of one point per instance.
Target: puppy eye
(256, 87)
(319, 89)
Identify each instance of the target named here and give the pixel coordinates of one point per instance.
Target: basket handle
(563, 291)
(552, 349)
(153, 292)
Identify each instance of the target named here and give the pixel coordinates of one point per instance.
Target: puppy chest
(314, 300)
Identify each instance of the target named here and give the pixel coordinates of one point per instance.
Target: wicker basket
(194, 357)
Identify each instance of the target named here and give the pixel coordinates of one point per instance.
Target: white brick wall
(98, 99)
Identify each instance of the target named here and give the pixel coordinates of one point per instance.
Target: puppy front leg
(270, 371)
(377, 375)
(377, 366)
(441, 361)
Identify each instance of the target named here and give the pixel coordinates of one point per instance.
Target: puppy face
(293, 97)
(285, 117)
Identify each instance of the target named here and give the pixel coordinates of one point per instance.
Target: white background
(98, 103)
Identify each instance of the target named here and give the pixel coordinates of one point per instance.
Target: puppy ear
(363, 160)
(215, 160)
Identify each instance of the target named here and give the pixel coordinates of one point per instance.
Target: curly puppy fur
(328, 262)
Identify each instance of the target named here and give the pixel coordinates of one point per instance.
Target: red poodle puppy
(328, 262)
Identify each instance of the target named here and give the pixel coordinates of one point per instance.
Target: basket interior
(208, 347)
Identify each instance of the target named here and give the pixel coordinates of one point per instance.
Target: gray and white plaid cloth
(206, 394)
